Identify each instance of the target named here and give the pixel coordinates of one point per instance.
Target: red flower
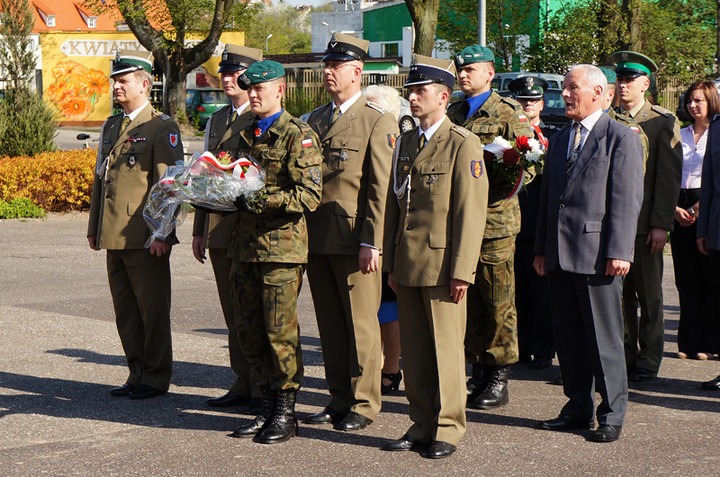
(257, 132)
(511, 157)
(522, 143)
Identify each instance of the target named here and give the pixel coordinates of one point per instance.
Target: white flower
(501, 141)
(534, 156)
(534, 145)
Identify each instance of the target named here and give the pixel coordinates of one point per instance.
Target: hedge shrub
(56, 181)
(19, 208)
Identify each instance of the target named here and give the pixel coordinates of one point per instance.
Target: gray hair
(385, 96)
(141, 75)
(593, 75)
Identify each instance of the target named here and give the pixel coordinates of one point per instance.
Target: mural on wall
(76, 69)
(76, 90)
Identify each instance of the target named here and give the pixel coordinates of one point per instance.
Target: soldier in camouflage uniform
(491, 336)
(269, 250)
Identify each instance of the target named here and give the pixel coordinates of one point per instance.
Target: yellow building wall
(76, 70)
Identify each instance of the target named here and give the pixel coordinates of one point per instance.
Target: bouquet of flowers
(205, 181)
(513, 160)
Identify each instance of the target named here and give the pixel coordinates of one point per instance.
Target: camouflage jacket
(289, 153)
(503, 117)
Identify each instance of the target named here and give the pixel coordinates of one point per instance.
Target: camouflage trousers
(267, 323)
(491, 335)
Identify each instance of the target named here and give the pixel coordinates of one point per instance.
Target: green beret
(261, 72)
(473, 54)
(631, 64)
(609, 75)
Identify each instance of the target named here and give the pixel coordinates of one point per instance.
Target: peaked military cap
(261, 72)
(427, 70)
(236, 58)
(609, 75)
(344, 47)
(528, 87)
(473, 54)
(631, 64)
(127, 61)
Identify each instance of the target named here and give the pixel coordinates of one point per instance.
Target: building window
(92, 22)
(389, 49)
(50, 21)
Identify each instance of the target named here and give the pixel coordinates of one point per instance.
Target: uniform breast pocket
(434, 178)
(272, 161)
(131, 159)
(343, 153)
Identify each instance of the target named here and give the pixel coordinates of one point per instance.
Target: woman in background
(697, 331)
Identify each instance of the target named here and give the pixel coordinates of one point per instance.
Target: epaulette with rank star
(304, 127)
(164, 117)
(460, 130)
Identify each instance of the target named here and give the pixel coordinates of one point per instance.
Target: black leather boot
(283, 424)
(261, 421)
(495, 393)
(478, 380)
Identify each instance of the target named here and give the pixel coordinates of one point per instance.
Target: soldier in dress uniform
(136, 146)
(534, 328)
(433, 222)
(663, 174)
(212, 231)
(269, 250)
(491, 340)
(346, 233)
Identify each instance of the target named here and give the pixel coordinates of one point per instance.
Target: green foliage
(506, 21)
(20, 208)
(290, 30)
(16, 48)
(28, 125)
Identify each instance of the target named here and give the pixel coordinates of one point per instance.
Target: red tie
(540, 136)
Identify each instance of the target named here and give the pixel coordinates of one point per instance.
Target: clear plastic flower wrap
(204, 181)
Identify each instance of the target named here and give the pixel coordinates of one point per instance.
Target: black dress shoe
(228, 400)
(713, 385)
(144, 392)
(353, 422)
(540, 363)
(565, 423)
(123, 390)
(405, 443)
(326, 416)
(439, 450)
(606, 433)
(641, 375)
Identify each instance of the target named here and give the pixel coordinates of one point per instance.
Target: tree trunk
(174, 91)
(424, 16)
(632, 11)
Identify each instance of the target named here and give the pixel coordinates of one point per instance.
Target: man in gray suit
(589, 205)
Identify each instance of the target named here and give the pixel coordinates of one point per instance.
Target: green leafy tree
(507, 22)
(27, 124)
(162, 27)
(290, 30)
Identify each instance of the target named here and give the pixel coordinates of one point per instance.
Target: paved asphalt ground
(60, 355)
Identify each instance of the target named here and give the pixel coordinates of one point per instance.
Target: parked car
(200, 104)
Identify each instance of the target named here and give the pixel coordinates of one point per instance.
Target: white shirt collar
(589, 122)
(346, 105)
(135, 113)
(240, 109)
(431, 130)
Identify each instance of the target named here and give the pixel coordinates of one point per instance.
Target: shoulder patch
(376, 107)
(460, 130)
(661, 110)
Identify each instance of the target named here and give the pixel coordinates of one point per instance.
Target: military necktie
(233, 117)
(422, 143)
(124, 124)
(574, 150)
(335, 115)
